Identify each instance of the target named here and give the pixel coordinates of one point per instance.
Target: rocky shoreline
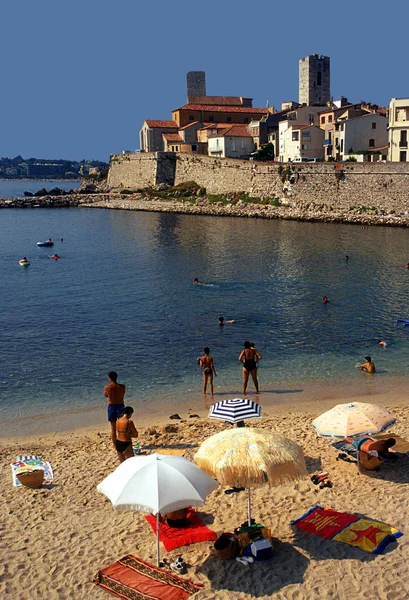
(203, 206)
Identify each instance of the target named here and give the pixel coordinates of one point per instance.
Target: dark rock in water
(175, 416)
(56, 192)
(28, 194)
(42, 192)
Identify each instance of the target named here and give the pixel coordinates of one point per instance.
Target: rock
(170, 429)
(28, 194)
(194, 416)
(41, 192)
(175, 416)
(151, 431)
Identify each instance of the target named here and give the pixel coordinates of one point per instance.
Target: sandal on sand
(242, 560)
(178, 567)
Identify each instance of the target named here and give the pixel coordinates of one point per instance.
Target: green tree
(266, 152)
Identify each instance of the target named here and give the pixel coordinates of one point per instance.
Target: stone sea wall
(326, 187)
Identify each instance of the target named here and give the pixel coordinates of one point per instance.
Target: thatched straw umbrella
(249, 457)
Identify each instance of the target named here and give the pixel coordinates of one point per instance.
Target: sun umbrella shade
(235, 410)
(248, 457)
(157, 484)
(357, 418)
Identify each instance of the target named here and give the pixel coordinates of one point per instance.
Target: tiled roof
(162, 124)
(222, 125)
(172, 137)
(189, 125)
(228, 109)
(219, 100)
(233, 131)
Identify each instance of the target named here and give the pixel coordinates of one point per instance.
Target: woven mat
(131, 578)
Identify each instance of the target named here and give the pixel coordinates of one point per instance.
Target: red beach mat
(194, 532)
(131, 578)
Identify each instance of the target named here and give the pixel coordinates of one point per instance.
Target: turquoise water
(122, 297)
(15, 188)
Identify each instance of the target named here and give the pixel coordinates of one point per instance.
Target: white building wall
(398, 130)
(356, 133)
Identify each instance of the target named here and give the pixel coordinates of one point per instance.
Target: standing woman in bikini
(207, 364)
(125, 431)
(249, 357)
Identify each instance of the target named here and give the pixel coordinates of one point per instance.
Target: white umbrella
(157, 484)
(235, 410)
(355, 418)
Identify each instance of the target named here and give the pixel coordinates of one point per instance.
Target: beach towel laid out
(367, 534)
(172, 537)
(132, 578)
(343, 446)
(27, 463)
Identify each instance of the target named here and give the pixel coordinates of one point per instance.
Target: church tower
(314, 80)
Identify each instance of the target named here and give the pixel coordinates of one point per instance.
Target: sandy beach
(55, 539)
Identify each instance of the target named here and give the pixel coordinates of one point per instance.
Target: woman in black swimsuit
(125, 431)
(249, 357)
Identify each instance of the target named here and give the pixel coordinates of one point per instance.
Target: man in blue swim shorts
(115, 392)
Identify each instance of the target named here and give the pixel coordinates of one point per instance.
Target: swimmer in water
(197, 282)
(54, 256)
(367, 366)
(382, 343)
(407, 266)
(325, 300)
(223, 322)
(346, 257)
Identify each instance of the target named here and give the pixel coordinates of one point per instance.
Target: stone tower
(314, 80)
(196, 84)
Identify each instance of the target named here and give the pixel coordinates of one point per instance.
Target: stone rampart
(383, 187)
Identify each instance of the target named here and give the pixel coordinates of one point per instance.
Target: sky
(79, 78)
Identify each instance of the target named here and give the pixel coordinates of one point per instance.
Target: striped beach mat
(27, 463)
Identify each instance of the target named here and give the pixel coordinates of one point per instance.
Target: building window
(228, 120)
(246, 119)
(330, 119)
(402, 156)
(304, 146)
(319, 78)
(342, 145)
(194, 148)
(322, 120)
(403, 142)
(296, 136)
(373, 125)
(191, 117)
(243, 144)
(233, 145)
(372, 143)
(177, 148)
(305, 134)
(173, 148)
(211, 119)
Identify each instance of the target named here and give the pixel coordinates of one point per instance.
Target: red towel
(172, 537)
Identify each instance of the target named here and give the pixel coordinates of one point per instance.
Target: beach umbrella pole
(157, 539)
(249, 506)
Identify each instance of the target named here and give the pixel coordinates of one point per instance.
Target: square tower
(314, 80)
(196, 84)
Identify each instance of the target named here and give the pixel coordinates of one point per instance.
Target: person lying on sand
(367, 444)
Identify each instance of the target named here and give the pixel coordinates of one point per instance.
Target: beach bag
(369, 462)
(226, 546)
(261, 549)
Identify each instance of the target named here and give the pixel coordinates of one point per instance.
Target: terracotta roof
(189, 125)
(214, 108)
(222, 125)
(162, 124)
(233, 131)
(219, 100)
(172, 137)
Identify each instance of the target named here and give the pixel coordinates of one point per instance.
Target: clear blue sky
(78, 78)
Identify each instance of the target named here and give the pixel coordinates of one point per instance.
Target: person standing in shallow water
(249, 357)
(207, 364)
(115, 392)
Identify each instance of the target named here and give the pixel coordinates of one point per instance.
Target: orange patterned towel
(131, 578)
(367, 534)
(172, 537)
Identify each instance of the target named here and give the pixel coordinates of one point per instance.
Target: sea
(122, 298)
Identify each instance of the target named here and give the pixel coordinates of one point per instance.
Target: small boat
(24, 263)
(46, 244)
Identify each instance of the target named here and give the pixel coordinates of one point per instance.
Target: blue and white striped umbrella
(235, 410)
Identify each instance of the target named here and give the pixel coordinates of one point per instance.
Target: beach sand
(55, 539)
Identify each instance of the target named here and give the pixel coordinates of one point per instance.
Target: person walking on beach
(115, 392)
(249, 357)
(125, 431)
(367, 366)
(207, 364)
